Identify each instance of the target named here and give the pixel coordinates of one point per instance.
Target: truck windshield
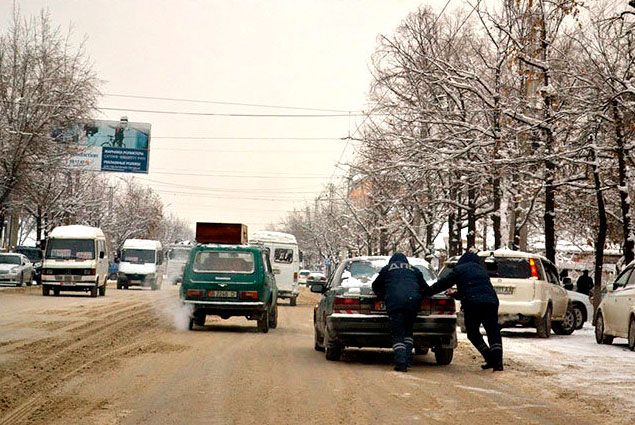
(70, 249)
(179, 254)
(138, 256)
(9, 259)
(224, 262)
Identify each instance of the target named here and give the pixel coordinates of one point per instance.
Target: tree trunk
(471, 217)
(625, 204)
(496, 216)
(600, 238)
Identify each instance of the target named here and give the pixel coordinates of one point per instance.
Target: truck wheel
(119, 284)
(443, 356)
(45, 290)
(273, 318)
(93, 291)
(102, 290)
(600, 336)
(332, 348)
(567, 326)
(543, 324)
(263, 322)
(292, 301)
(56, 292)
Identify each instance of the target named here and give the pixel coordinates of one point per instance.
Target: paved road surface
(126, 359)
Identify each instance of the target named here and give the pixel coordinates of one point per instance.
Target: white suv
(616, 313)
(529, 291)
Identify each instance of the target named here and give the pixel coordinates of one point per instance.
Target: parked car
(15, 269)
(35, 256)
(302, 275)
(615, 317)
(314, 277)
(350, 315)
(529, 291)
(580, 305)
(230, 280)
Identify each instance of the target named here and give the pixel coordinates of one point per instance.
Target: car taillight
(438, 306)
(248, 295)
(195, 293)
(346, 305)
(533, 268)
(295, 276)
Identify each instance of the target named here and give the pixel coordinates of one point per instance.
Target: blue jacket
(471, 280)
(399, 284)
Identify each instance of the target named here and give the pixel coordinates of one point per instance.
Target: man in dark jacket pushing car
(480, 306)
(401, 287)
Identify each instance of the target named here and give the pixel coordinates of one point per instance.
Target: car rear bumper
(226, 308)
(362, 330)
(509, 310)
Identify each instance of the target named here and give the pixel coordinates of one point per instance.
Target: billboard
(118, 146)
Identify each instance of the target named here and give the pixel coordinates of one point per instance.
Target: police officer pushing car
(480, 306)
(401, 287)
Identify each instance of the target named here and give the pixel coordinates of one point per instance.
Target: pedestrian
(401, 287)
(584, 283)
(564, 273)
(480, 306)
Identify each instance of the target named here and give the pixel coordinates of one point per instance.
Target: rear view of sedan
(350, 315)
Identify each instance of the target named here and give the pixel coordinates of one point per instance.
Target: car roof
(385, 258)
(502, 253)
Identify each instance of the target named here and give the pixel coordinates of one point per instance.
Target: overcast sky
(310, 54)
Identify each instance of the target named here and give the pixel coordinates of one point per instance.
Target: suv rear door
(512, 278)
(559, 297)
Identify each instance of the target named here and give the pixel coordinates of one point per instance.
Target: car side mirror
(102, 254)
(318, 288)
(615, 285)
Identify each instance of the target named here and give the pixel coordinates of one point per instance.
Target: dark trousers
(401, 323)
(487, 315)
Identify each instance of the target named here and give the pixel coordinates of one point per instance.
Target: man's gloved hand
(452, 292)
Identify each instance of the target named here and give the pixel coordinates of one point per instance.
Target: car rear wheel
(332, 348)
(199, 319)
(600, 336)
(443, 356)
(543, 324)
(631, 334)
(273, 318)
(567, 326)
(263, 322)
(580, 316)
(318, 345)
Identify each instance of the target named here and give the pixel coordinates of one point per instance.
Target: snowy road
(125, 359)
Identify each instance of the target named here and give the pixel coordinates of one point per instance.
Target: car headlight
(37, 265)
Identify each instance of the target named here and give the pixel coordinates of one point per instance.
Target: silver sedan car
(15, 269)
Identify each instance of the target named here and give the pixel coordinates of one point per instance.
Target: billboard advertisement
(117, 146)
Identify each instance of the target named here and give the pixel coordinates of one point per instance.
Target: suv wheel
(443, 356)
(631, 334)
(263, 322)
(600, 336)
(567, 326)
(543, 324)
(273, 318)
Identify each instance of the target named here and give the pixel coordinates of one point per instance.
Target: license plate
(380, 306)
(504, 290)
(222, 294)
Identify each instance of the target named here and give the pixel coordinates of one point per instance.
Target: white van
(140, 264)
(75, 259)
(177, 257)
(285, 257)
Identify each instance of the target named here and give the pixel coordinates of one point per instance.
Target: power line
(250, 198)
(216, 102)
(238, 176)
(225, 115)
(246, 138)
(211, 189)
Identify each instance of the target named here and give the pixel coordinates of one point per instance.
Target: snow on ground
(576, 362)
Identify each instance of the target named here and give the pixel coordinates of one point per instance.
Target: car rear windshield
(224, 262)
(363, 273)
(503, 267)
(179, 254)
(9, 259)
(70, 249)
(138, 256)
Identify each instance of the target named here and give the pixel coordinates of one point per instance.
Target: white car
(529, 291)
(315, 277)
(615, 317)
(302, 275)
(581, 307)
(15, 269)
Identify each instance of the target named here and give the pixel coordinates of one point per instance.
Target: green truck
(225, 279)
